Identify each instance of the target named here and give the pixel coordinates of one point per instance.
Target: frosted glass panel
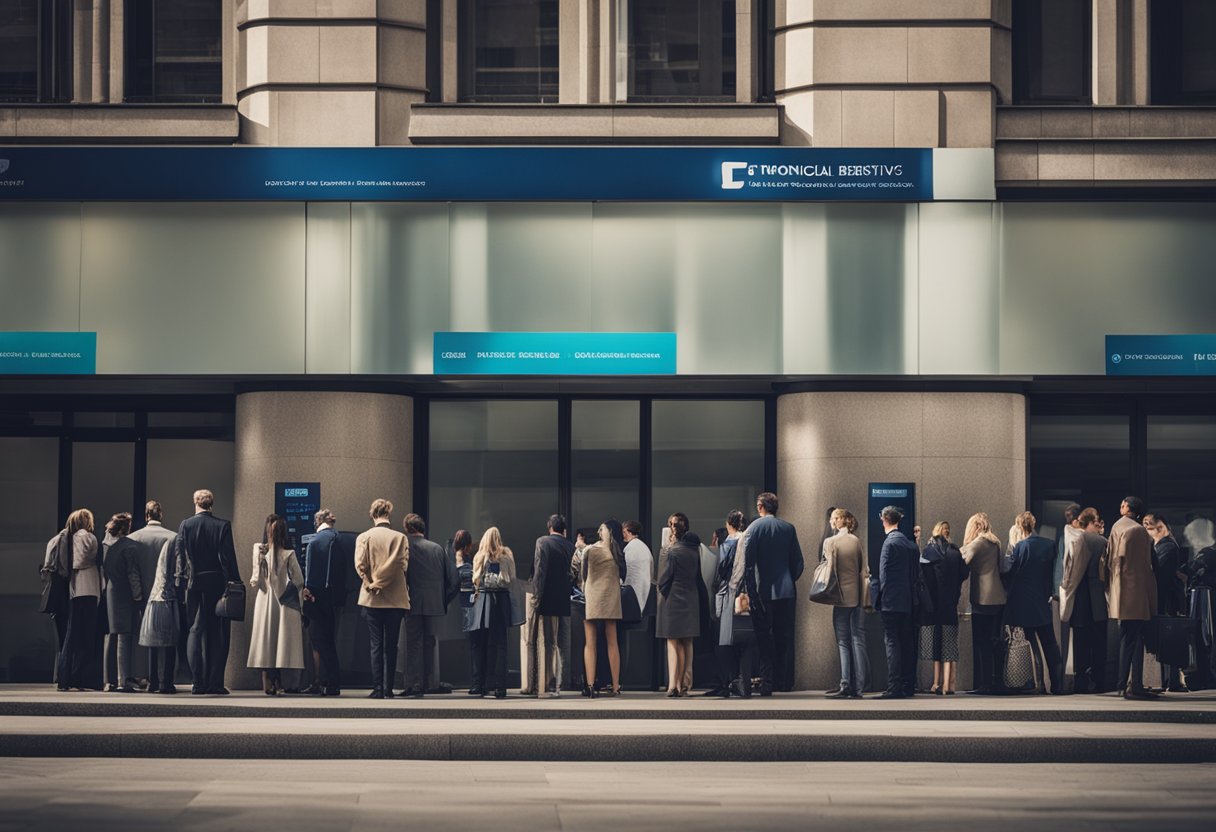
(40, 266)
(1074, 273)
(195, 288)
(178, 467)
(707, 459)
(400, 288)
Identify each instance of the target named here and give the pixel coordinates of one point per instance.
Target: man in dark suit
(324, 591)
(1168, 562)
(433, 584)
(548, 604)
(770, 565)
(204, 541)
(894, 592)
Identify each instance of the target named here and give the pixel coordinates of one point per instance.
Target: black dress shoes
(839, 694)
(376, 694)
(331, 692)
(410, 694)
(219, 692)
(476, 692)
(893, 695)
(167, 689)
(500, 694)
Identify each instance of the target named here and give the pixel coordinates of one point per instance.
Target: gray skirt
(939, 642)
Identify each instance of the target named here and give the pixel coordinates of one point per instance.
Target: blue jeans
(849, 624)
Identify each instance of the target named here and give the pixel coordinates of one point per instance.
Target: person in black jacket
(324, 591)
(1031, 587)
(893, 591)
(944, 571)
(1168, 561)
(205, 542)
(433, 584)
(549, 603)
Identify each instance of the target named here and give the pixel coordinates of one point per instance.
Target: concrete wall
(966, 452)
(359, 446)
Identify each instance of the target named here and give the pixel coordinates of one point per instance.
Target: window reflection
(681, 50)
(508, 50)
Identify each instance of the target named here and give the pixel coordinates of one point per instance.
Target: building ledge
(119, 123)
(595, 123)
(1065, 123)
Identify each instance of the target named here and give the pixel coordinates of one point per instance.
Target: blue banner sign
(48, 353)
(1161, 355)
(555, 353)
(472, 174)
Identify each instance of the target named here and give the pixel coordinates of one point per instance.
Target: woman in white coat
(276, 639)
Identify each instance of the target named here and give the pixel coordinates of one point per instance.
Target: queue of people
(161, 587)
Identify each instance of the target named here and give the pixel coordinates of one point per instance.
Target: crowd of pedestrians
(159, 588)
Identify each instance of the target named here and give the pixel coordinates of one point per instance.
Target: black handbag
(631, 610)
(741, 629)
(1174, 638)
(232, 603)
(55, 594)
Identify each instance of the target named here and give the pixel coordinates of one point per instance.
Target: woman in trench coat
(276, 637)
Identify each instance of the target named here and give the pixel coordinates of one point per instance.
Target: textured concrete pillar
(358, 446)
(330, 73)
(966, 452)
(891, 73)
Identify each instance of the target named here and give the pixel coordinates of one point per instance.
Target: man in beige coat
(382, 556)
(1132, 592)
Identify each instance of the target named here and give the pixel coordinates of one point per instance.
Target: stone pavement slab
(71, 794)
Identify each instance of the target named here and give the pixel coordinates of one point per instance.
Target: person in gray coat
(679, 617)
(124, 596)
(433, 584)
(153, 537)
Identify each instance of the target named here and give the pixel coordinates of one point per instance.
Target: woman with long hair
(84, 590)
(943, 570)
(982, 553)
(493, 573)
(602, 570)
(276, 635)
(124, 595)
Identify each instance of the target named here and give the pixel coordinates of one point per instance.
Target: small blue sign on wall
(48, 353)
(1161, 355)
(555, 353)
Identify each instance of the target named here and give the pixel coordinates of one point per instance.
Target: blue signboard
(48, 353)
(475, 174)
(555, 353)
(1161, 355)
(902, 495)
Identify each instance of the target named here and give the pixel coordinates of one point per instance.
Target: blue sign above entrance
(555, 353)
(48, 353)
(1161, 355)
(467, 174)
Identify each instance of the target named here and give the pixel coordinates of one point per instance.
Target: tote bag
(825, 587)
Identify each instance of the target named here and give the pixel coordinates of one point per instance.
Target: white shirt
(639, 566)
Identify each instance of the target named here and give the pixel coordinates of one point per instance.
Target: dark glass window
(1051, 51)
(434, 50)
(36, 50)
(508, 50)
(174, 51)
(766, 65)
(1184, 52)
(681, 50)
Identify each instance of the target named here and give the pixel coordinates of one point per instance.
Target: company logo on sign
(295, 492)
(3, 165)
(898, 493)
(729, 182)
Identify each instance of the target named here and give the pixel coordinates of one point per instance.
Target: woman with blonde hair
(843, 549)
(276, 635)
(84, 590)
(982, 553)
(493, 573)
(943, 571)
(1031, 585)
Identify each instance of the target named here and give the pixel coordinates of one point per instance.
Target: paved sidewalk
(199, 796)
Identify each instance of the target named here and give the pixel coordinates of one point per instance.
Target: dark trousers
(322, 628)
(726, 660)
(384, 634)
(1131, 656)
(1046, 638)
(783, 643)
(162, 661)
(477, 654)
(61, 633)
(207, 644)
(419, 651)
(494, 648)
(762, 655)
(899, 635)
(79, 640)
(1089, 657)
(985, 650)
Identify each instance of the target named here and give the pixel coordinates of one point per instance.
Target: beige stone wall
(966, 452)
(359, 446)
(891, 73)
